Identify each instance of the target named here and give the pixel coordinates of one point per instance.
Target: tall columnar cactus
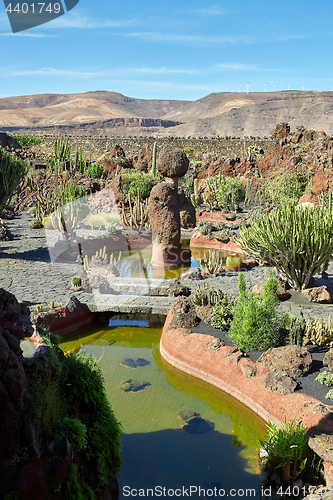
(153, 166)
(196, 198)
(297, 241)
(12, 173)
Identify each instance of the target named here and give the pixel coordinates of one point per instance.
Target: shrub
(286, 188)
(231, 192)
(297, 331)
(289, 454)
(134, 182)
(222, 312)
(256, 324)
(28, 140)
(227, 192)
(95, 171)
(297, 241)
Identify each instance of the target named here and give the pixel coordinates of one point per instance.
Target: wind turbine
(248, 87)
(274, 88)
(288, 87)
(281, 87)
(240, 86)
(265, 86)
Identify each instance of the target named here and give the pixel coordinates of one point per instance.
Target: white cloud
(99, 74)
(28, 34)
(75, 20)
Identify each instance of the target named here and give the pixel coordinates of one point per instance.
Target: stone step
(140, 286)
(130, 304)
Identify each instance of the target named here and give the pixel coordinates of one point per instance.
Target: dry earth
(111, 113)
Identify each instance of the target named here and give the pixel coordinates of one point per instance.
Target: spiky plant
(297, 241)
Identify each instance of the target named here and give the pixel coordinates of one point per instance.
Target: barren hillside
(110, 113)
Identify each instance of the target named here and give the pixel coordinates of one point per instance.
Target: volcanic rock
(294, 360)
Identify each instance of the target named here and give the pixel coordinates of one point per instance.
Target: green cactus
(296, 241)
(153, 166)
(204, 296)
(297, 331)
(196, 198)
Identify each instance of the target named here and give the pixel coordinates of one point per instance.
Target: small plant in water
(288, 452)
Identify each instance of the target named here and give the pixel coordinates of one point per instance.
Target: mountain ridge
(217, 114)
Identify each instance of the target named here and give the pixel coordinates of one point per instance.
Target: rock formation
(163, 210)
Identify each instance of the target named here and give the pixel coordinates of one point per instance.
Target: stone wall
(97, 146)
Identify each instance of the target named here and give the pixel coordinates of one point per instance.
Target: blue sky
(176, 50)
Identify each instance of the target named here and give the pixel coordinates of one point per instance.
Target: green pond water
(137, 263)
(156, 450)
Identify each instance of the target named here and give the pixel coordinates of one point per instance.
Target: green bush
(75, 431)
(286, 188)
(222, 312)
(231, 192)
(289, 455)
(134, 181)
(256, 323)
(28, 140)
(297, 241)
(95, 171)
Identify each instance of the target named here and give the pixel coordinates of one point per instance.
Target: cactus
(204, 296)
(153, 165)
(318, 331)
(222, 312)
(297, 331)
(51, 304)
(204, 227)
(39, 308)
(296, 241)
(138, 214)
(212, 263)
(76, 281)
(196, 198)
(12, 173)
(35, 224)
(66, 228)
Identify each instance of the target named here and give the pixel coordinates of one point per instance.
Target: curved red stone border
(188, 354)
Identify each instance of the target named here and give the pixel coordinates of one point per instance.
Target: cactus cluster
(35, 224)
(138, 214)
(204, 227)
(101, 254)
(12, 173)
(319, 332)
(204, 296)
(297, 331)
(296, 241)
(153, 165)
(325, 378)
(66, 227)
(212, 262)
(219, 225)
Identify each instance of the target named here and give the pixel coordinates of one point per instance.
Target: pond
(137, 263)
(161, 448)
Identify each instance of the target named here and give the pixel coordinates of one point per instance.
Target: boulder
(117, 190)
(295, 361)
(176, 289)
(204, 313)
(12, 394)
(215, 344)
(184, 314)
(328, 359)
(172, 163)
(249, 371)
(192, 274)
(319, 294)
(186, 211)
(14, 315)
(143, 161)
(280, 381)
(133, 385)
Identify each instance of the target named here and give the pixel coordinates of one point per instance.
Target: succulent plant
(204, 296)
(35, 224)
